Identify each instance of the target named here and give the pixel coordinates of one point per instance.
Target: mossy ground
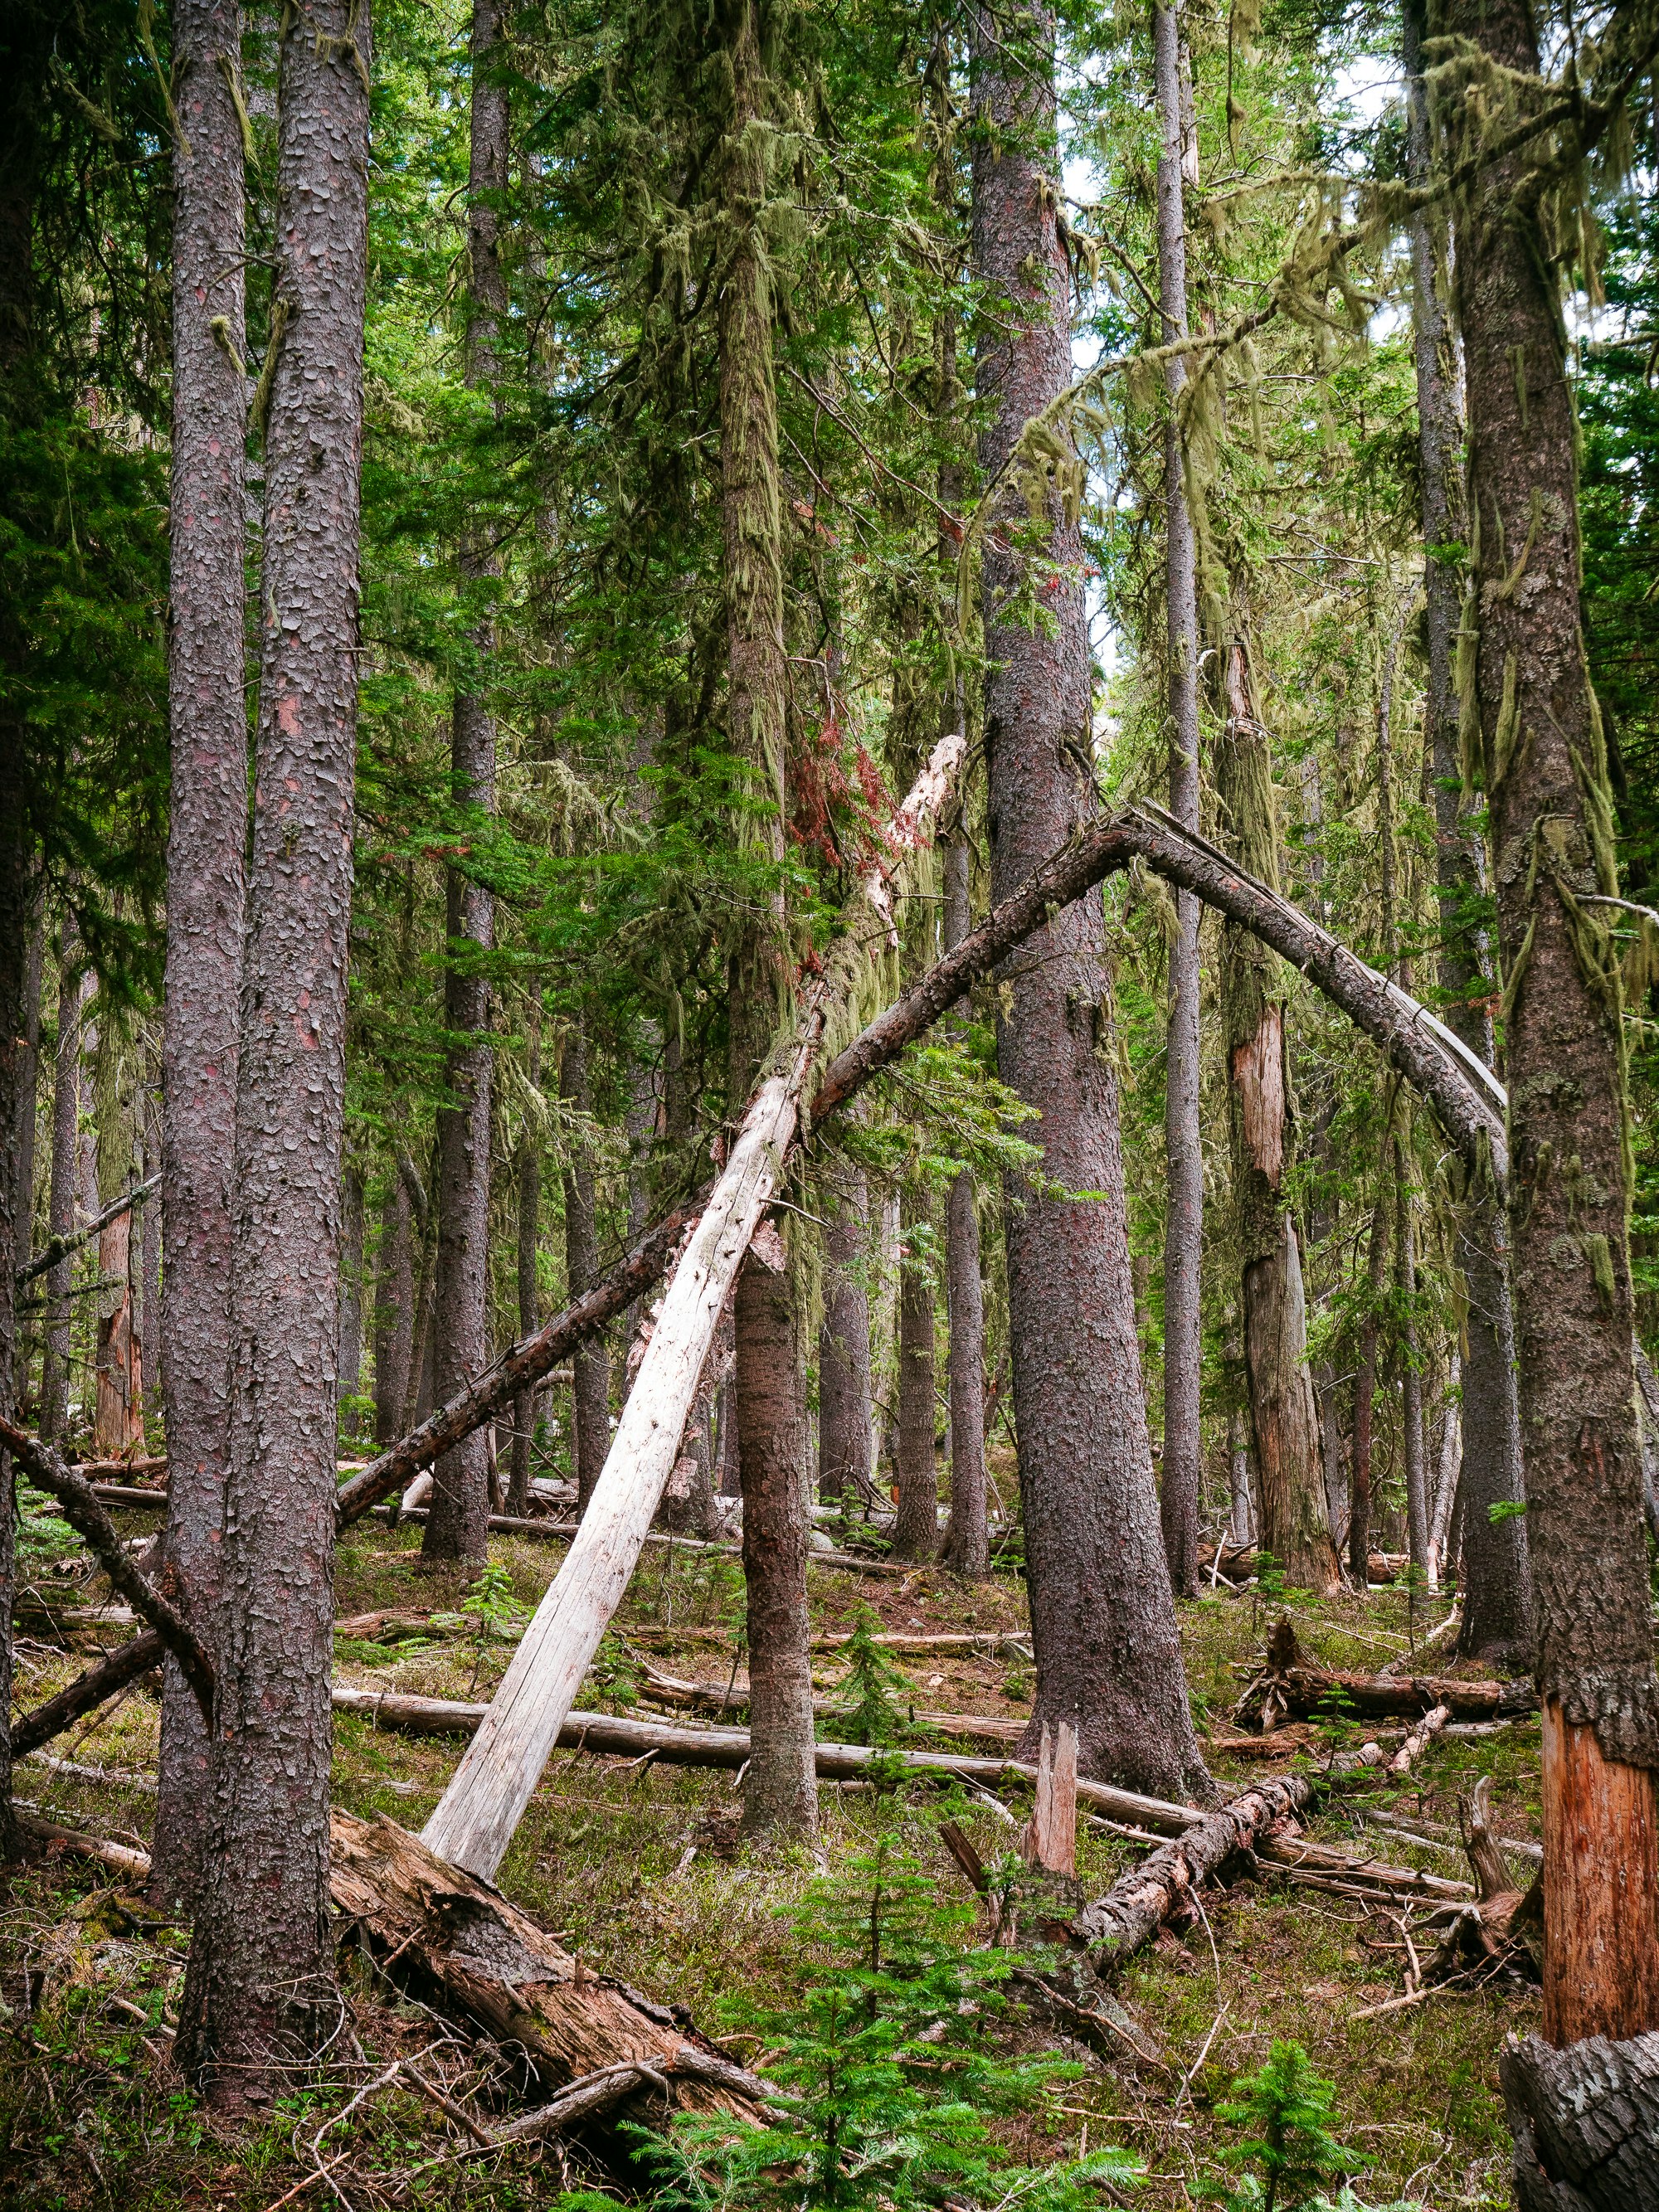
(642, 1874)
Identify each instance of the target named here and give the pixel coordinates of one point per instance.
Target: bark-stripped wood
(1051, 1841)
(475, 1820)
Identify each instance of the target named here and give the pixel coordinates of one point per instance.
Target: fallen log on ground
(608, 1735)
(1298, 1854)
(732, 1697)
(474, 1821)
(1585, 2122)
(1291, 1684)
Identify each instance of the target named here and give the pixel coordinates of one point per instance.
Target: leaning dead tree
(477, 1814)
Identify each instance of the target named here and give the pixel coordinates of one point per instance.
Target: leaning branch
(59, 1247)
(87, 1516)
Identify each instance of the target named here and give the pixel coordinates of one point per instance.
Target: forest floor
(642, 1875)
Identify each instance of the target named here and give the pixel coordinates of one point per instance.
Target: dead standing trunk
(1544, 766)
(781, 1796)
(72, 983)
(1102, 1614)
(591, 1397)
(259, 1987)
(1365, 1399)
(1183, 1242)
(1497, 1626)
(967, 1547)
(916, 1528)
(1284, 1418)
(207, 885)
(458, 1526)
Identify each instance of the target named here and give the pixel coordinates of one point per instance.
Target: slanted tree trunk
(1284, 1419)
(591, 1396)
(207, 831)
(1103, 1614)
(1183, 1240)
(529, 1209)
(967, 1547)
(916, 1528)
(394, 1309)
(844, 1413)
(781, 1795)
(259, 1987)
(1497, 1624)
(72, 983)
(1544, 766)
(457, 1528)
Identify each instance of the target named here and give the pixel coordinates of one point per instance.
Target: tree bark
(1411, 1375)
(1103, 1612)
(60, 1205)
(17, 882)
(1585, 2122)
(844, 1411)
(1183, 1242)
(1497, 1626)
(530, 1210)
(916, 1528)
(206, 883)
(591, 1398)
(394, 1310)
(1364, 1400)
(1544, 766)
(259, 1987)
(967, 1549)
(351, 1292)
(1284, 1418)
(456, 1529)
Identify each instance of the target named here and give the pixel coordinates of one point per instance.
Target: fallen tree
(1291, 1684)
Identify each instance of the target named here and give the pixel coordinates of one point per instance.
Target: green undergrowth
(644, 1874)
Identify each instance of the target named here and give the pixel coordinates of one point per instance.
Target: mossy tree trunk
(1535, 726)
(781, 1789)
(1102, 1612)
(1284, 1418)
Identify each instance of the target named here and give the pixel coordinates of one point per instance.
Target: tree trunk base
(1585, 2122)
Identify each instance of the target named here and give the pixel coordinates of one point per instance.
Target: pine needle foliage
(875, 1684)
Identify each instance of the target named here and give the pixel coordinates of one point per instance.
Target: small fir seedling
(887, 2069)
(875, 1684)
(1287, 2111)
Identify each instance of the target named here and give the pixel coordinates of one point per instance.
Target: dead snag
(1499, 1933)
(491, 1962)
(1585, 2122)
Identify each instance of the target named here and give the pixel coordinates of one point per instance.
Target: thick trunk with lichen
(1284, 1418)
(1497, 1624)
(1103, 1612)
(1183, 1242)
(207, 830)
(458, 1522)
(1534, 725)
(259, 1992)
(781, 1793)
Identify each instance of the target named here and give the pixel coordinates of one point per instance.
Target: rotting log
(1291, 1684)
(1585, 2122)
(475, 1820)
(491, 1962)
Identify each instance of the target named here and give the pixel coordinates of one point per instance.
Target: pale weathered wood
(474, 1821)
(1051, 1838)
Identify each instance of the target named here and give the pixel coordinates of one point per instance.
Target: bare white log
(475, 1817)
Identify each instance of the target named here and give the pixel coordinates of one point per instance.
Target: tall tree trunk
(1241, 1522)
(394, 1308)
(117, 1420)
(967, 1542)
(207, 883)
(1102, 1612)
(1497, 1624)
(351, 1292)
(259, 1987)
(1183, 1242)
(1411, 1375)
(781, 1792)
(1284, 1419)
(591, 1398)
(60, 1204)
(149, 1303)
(1543, 763)
(457, 1528)
(915, 1529)
(17, 894)
(844, 1434)
(1364, 1398)
(530, 1211)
